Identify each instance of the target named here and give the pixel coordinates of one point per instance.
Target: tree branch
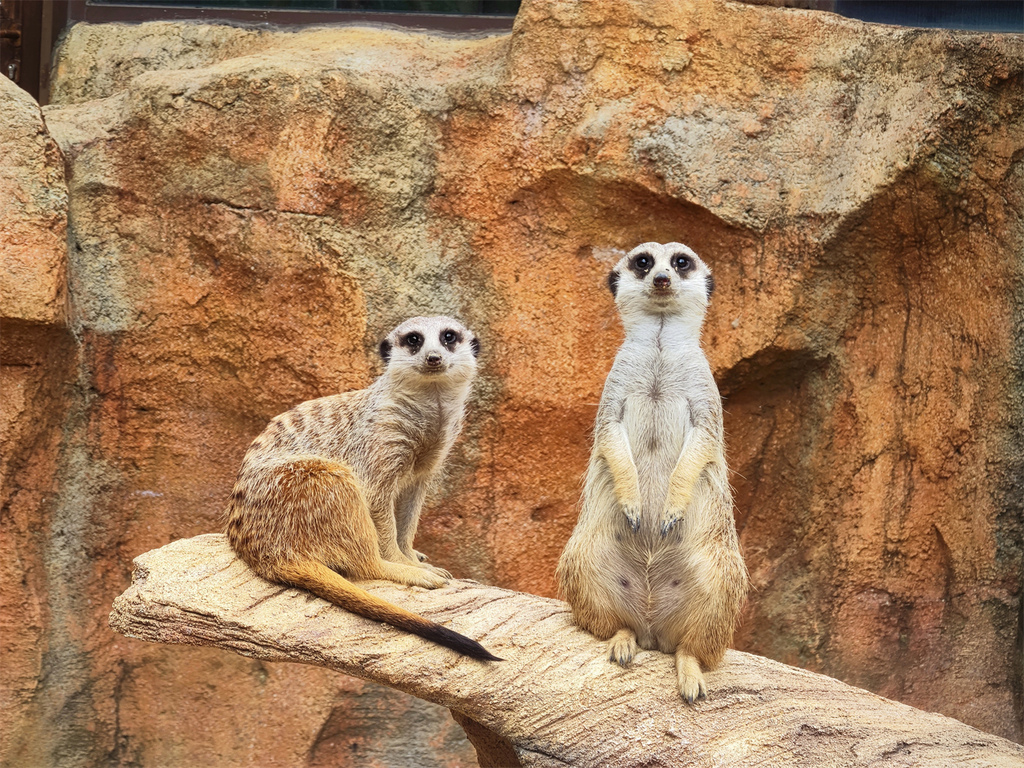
(556, 700)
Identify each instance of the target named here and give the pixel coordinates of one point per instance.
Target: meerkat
(654, 560)
(332, 490)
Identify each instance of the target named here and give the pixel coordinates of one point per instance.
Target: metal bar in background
(83, 10)
(970, 15)
(28, 31)
(31, 27)
(12, 39)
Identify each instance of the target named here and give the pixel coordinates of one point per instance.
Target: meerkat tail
(335, 588)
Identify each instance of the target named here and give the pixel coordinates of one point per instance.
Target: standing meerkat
(654, 560)
(332, 490)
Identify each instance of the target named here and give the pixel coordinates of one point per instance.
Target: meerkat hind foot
(419, 560)
(412, 575)
(622, 647)
(444, 574)
(691, 681)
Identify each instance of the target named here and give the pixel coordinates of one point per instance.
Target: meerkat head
(661, 279)
(431, 350)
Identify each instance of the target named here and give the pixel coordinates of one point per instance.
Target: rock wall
(249, 211)
(37, 356)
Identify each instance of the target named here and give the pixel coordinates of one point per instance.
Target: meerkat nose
(661, 280)
(433, 359)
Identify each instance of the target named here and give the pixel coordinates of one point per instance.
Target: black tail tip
(462, 644)
(474, 650)
(487, 655)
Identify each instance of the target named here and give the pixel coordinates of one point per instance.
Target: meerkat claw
(632, 514)
(669, 521)
(692, 696)
(622, 648)
(429, 580)
(442, 572)
(691, 682)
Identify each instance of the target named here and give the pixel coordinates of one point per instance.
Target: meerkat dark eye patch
(710, 286)
(641, 264)
(385, 350)
(682, 263)
(412, 341)
(475, 346)
(450, 338)
(613, 282)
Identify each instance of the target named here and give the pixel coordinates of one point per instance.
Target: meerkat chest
(429, 431)
(656, 407)
(428, 453)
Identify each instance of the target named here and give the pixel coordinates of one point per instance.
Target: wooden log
(556, 700)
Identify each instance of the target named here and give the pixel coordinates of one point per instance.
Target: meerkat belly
(642, 580)
(649, 581)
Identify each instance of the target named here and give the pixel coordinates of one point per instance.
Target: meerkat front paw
(670, 518)
(419, 556)
(431, 580)
(632, 513)
(675, 508)
(622, 647)
(691, 681)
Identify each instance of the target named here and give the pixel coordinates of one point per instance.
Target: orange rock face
(37, 355)
(251, 211)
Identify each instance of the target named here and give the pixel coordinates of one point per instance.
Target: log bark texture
(555, 700)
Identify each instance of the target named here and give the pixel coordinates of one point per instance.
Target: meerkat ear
(710, 286)
(474, 344)
(385, 350)
(613, 282)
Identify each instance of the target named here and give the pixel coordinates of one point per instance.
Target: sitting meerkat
(332, 490)
(654, 560)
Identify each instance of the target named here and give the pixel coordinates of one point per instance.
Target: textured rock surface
(33, 214)
(251, 210)
(555, 700)
(36, 352)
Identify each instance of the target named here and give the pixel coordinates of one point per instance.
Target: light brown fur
(654, 560)
(332, 490)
